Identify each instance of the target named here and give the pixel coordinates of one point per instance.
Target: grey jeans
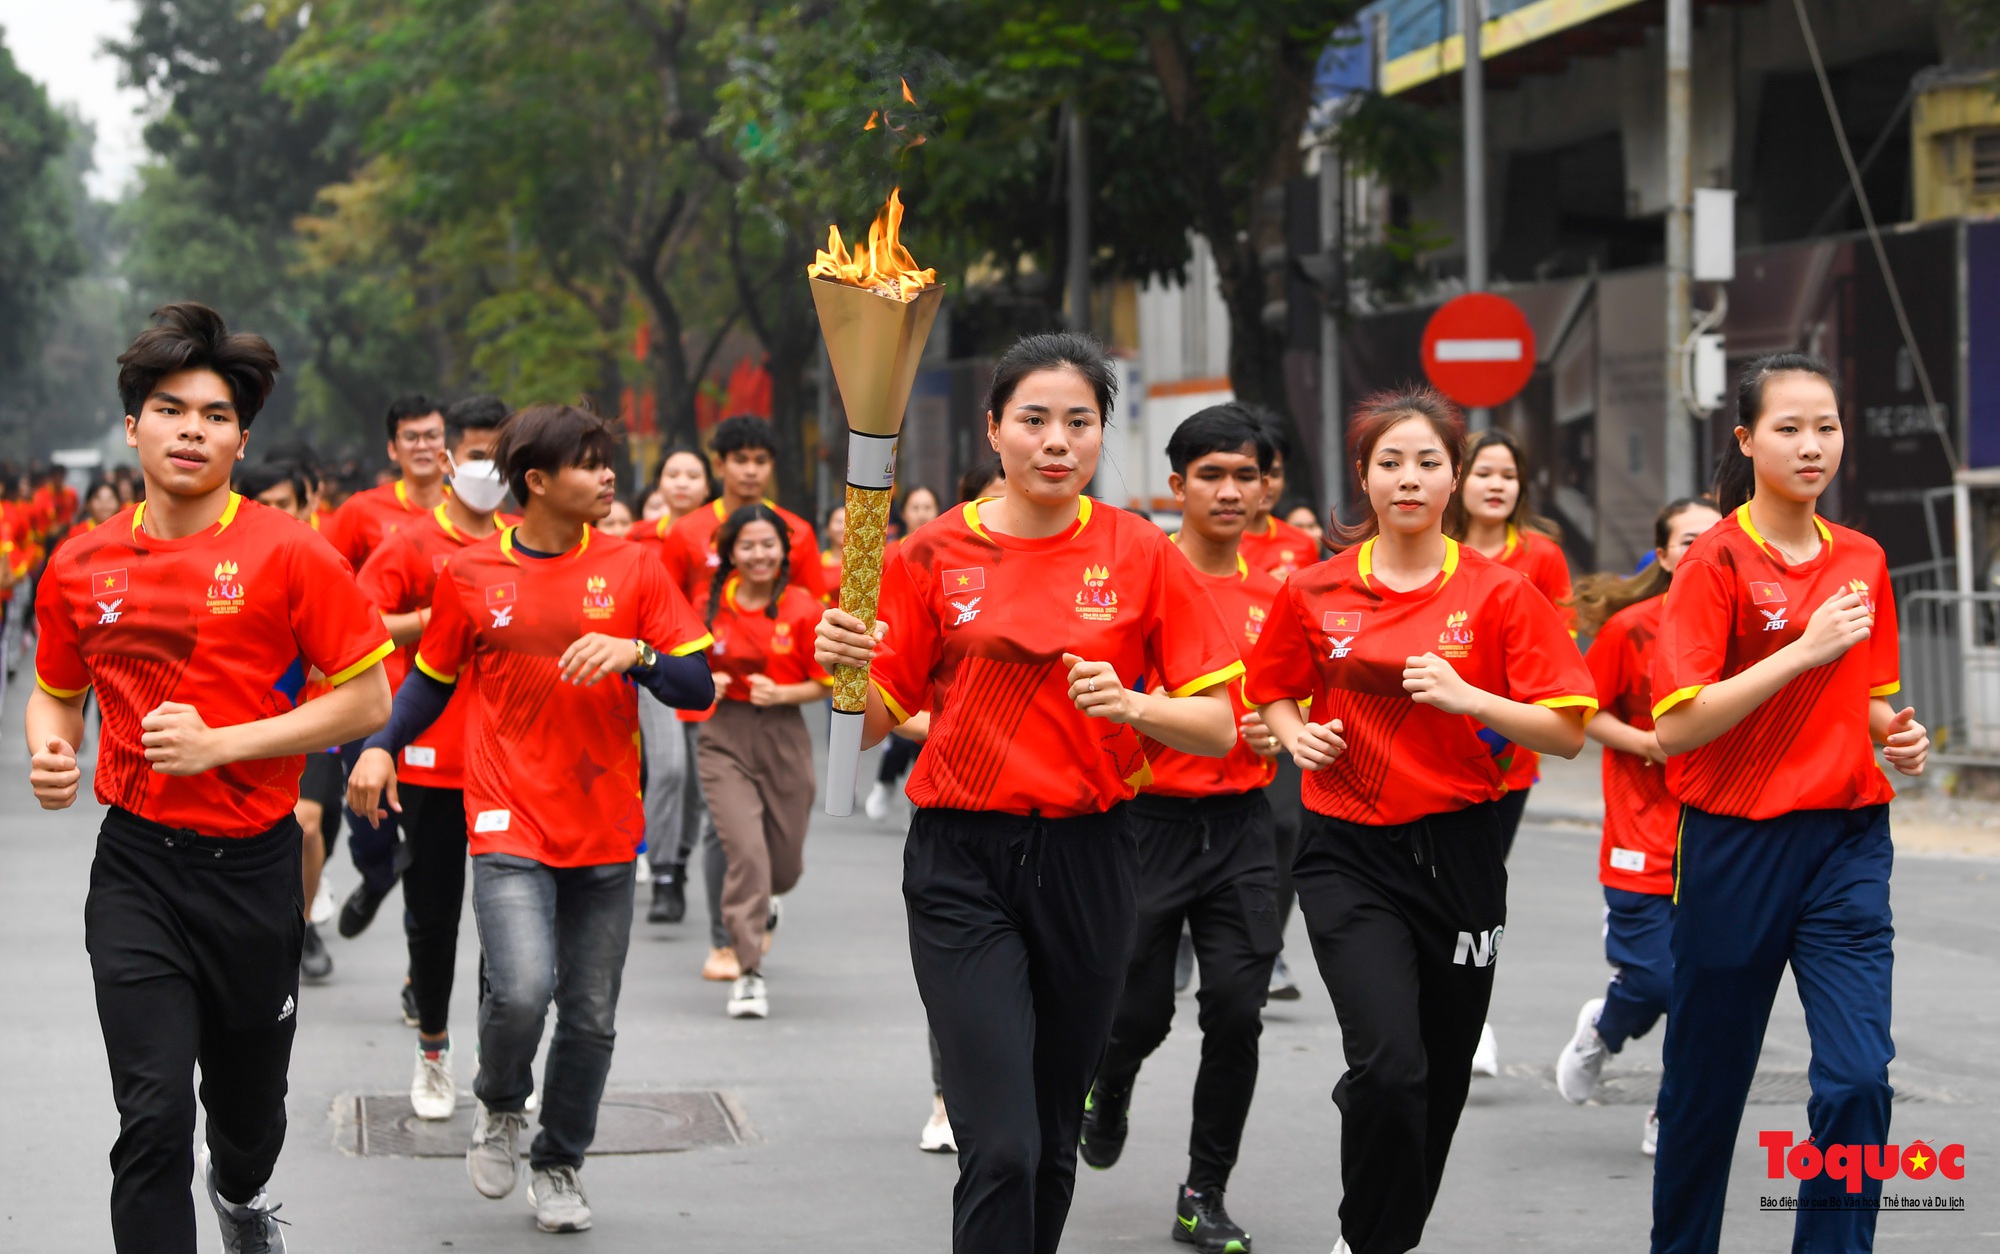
(676, 812)
(550, 934)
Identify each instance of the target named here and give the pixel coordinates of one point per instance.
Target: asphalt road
(835, 1085)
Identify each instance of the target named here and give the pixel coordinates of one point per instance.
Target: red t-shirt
(688, 548)
(1541, 562)
(229, 621)
(1735, 601)
(399, 578)
(829, 575)
(552, 769)
(1244, 601)
(751, 642)
(979, 622)
(1340, 637)
(1278, 548)
(1641, 818)
(364, 518)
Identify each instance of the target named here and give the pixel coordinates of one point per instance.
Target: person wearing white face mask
(398, 579)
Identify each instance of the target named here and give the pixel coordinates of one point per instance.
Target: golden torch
(875, 311)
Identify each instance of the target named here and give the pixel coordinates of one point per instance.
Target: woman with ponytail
(755, 755)
(1776, 659)
(1636, 854)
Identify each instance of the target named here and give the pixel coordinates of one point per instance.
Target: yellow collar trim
(1513, 542)
(1366, 559)
(444, 522)
(228, 514)
(1083, 513)
(1757, 538)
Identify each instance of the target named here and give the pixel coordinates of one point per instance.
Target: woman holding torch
(1034, 625)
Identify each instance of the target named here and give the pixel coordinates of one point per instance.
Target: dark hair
(549, 438)
(300, 454)
(1600, 596)
(1372, 419)
(707, 471)
(411, 405)
(984, 469)
(1223, 428)
(1458, 520)
(474, 413)
(740, 432)
(255, 480)
(1278, 430)
(96, 484)
(725, 548)
(188, 336)
(1053, 350)
(1735, 473)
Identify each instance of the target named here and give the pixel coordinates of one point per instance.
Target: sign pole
(1475, 166)
(1679, 472)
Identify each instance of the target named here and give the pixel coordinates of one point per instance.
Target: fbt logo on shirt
(500, 600)
(597, 602)
(108, 588)
(1332, 624)
(1763, 594)
(225, 595)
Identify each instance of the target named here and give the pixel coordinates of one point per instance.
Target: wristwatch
(644, 655)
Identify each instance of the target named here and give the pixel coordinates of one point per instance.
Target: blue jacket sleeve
(682, 682)
(419, 702)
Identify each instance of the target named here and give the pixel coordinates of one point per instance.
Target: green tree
(39, 248)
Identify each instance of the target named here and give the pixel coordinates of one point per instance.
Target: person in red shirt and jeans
(197, 619)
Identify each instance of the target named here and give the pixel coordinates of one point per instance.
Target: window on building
(1986, 163)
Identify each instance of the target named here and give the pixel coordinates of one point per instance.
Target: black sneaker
(411, 1018)
(314, 962)
(1105, 1124)
(1201, 1222)
(358, 911)
(670, 903)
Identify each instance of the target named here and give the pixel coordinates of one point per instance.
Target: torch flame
(883, 265)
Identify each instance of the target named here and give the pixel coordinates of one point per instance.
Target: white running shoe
(1340, 1246)
(642, 870)
(937, 1137)
(433, 1090)
(877, 804)
(747, 999)
(494, 1161)
(247, 1227)
(557, 1196)
(324, 904)
(1486, 1058)
(1649, 1140)
(1577, 1066)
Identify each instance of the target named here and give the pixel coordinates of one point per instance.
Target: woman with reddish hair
(1423, 662)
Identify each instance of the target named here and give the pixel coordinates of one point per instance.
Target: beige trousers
(757, 774)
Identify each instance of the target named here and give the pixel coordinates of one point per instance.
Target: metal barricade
(1951, 671)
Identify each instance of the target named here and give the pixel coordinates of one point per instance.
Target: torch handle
(861, 582)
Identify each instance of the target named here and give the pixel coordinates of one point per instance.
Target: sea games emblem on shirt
(1094, 601)
(1253, 626)
(1335, 622)
(781, 638)
(597, 602)
(225, 595)
(1456, 638)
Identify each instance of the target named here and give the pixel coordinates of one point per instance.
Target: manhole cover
(1640, 1086)
(629, 1121)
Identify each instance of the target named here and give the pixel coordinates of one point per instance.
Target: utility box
(1714, 234)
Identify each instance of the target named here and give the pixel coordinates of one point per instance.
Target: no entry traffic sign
(1479, 349)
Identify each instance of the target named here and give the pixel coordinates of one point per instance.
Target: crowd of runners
(1129, 751)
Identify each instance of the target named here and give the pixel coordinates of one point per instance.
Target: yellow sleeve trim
(692, 646)
(434, 672)
(60, 694)
(1559, 703)
(1675, 698)
(375, 655)
(826, 681)
(1209, 680)
(900, 714)
(1889, 689)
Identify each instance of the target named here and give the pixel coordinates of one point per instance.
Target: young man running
(543, 614)
(399, 580)
(745, 456)
(196, 618)
(1205, 857)
(416, 448)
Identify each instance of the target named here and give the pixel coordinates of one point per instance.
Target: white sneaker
(642, 870)
(747, 999)
(1577, 1066)
(1649, 1140)
(1340, 1246)
(323, 903)
(494, 1161)
(248, 1227)
(557, 1196)
(937, 1138)
(877, 804)
(1486, 1058)
(433, 1090)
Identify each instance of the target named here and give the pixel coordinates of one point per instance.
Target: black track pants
(1405, 923)
(1020, 931)
(194, 949)
(433, 823)
(1288, 812)
(1207, 863)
